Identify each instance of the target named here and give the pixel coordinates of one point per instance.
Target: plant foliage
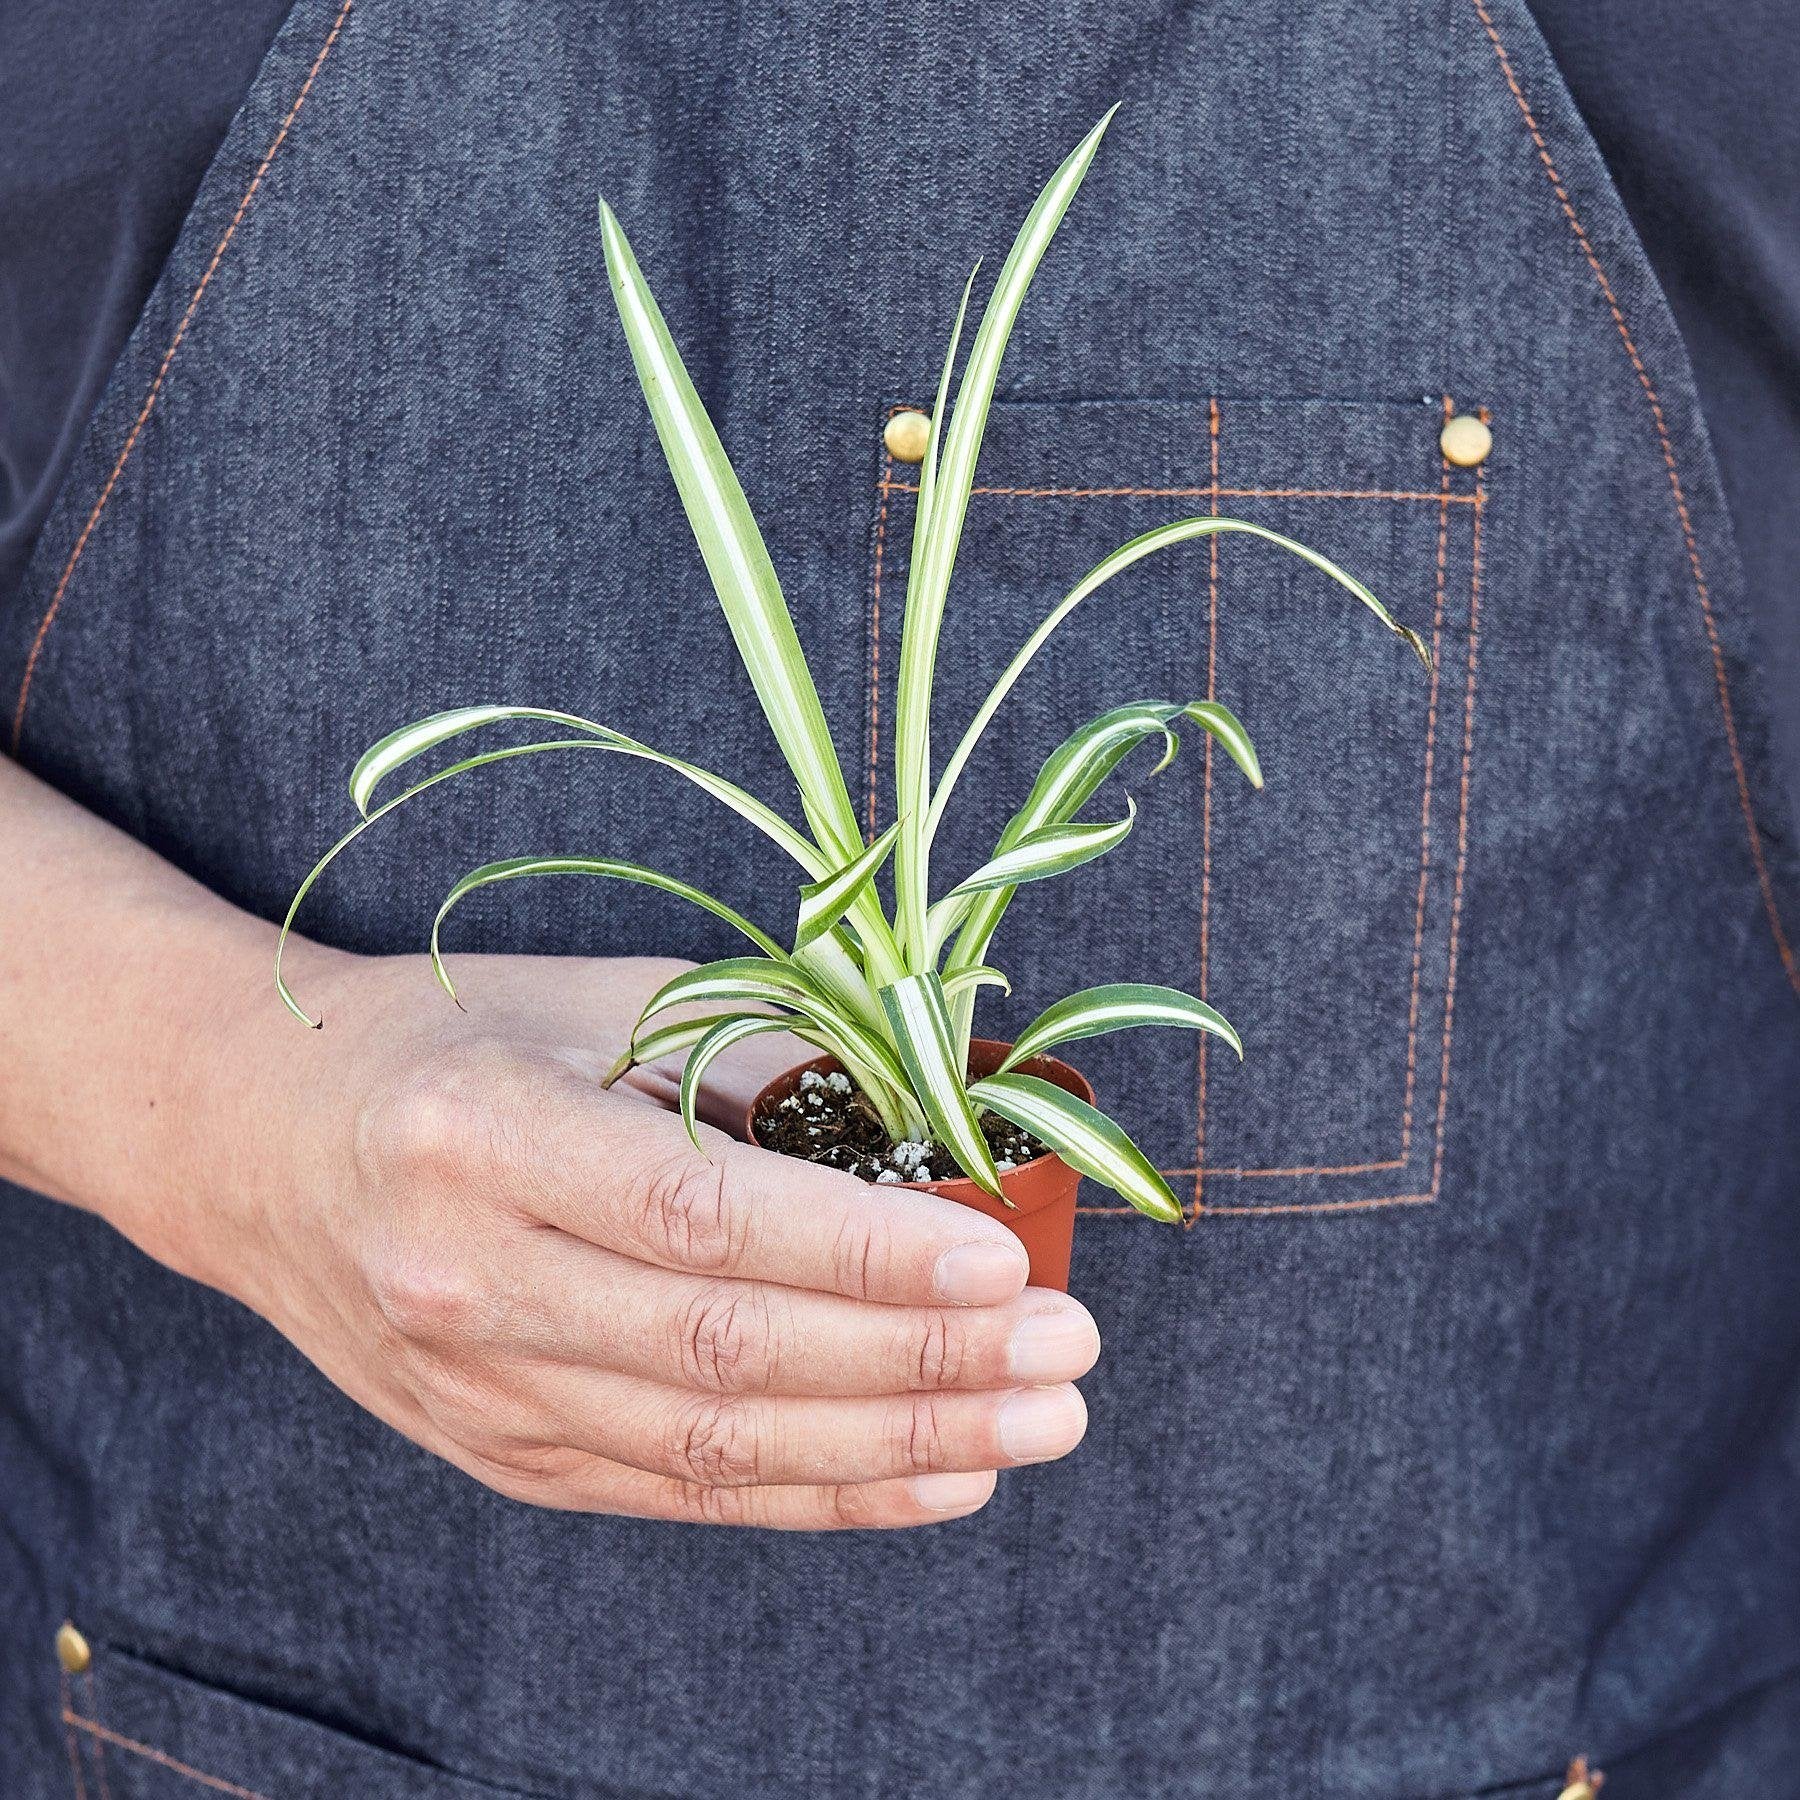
(891, 997)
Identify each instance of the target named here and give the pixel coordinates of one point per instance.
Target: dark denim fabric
(1460, 1431)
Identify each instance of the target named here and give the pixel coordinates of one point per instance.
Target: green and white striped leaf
(1084, 1137)
(1222, 724)
(760, 980)
(1116, 1007)
(1148, 544)
(714, 1043)
(312, 876)
(739, 980)
(939, 523)
(920, 1019)
(742, 574)
(967, 980)
(1051, 850)
(409, 743)
(517, 868)
(823, 903)
(1071, 775)
(671, 1040)
(940, 411)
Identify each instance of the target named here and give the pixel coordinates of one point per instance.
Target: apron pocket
(139, 1732)
(1321, 915)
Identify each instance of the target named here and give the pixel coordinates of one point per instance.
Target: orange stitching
(1437, 633)
(1253, 1212)
(1677, 491)
(99, 1748)
(1192, 493)
(1212, 671)
(159, 1757)
(1462, 833)
(1243, 1174)
(1321, 1206)
(150, 399)
(70, 1738)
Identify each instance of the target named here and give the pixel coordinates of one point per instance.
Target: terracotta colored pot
(1042, 1192)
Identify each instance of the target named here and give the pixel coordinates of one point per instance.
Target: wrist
(228, 1142)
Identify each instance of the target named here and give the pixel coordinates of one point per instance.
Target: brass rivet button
(1465, 441)
(72, 1648)
(906, 435)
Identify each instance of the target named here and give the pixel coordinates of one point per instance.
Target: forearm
(132, 1003)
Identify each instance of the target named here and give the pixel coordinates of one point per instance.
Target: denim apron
(1459, 1430)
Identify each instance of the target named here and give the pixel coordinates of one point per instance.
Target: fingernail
(1041, 1423)
(1054, 1346)
(981, 1274)
(952, 1493)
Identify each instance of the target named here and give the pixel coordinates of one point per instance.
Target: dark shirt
(109, 116)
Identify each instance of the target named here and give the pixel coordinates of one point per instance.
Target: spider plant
(891, 996)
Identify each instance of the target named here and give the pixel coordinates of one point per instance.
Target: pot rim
(986, 1049)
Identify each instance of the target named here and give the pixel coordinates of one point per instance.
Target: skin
(535, 1279)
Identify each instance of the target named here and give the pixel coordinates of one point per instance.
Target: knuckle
(442, 1120)
(725, 1341)
(940, 1353)
(424, 1300)
(862, 1256)
(920, 1438)
(715, 1444)
(851, 1506)
(531, 1472)
(687, 1215)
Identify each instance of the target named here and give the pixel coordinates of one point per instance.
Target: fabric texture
(1456, 1433)
(107, 123)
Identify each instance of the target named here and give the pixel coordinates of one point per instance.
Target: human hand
(542, 1281)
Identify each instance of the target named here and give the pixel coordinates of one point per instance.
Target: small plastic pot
(1042, 1191)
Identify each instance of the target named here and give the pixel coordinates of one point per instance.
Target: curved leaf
(718, 1039)
(978, 977)
(516, 868)
(670, 1040)
(1084, 1137)
(356, 831)
(823, 903)
(1071, 774)
(1147, 544)
(754, 980)
(1050, 850)
(413, 741)
(920, 1018)
(1115, 1007)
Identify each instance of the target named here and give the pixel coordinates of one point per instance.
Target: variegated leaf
(940, 522)
(742, 574)
(1116, 1007)
(1083, 1136)
(718, 1039)
(1148, 544)
(920, 1019)
(516, 868)
(823, 903)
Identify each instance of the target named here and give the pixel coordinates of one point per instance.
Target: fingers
(572, 1303)
(782, 1440)
(574, 1482)
(630, 1180)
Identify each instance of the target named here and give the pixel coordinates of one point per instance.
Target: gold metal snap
(72, 1648)
(1465, 441)
(906, 434)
